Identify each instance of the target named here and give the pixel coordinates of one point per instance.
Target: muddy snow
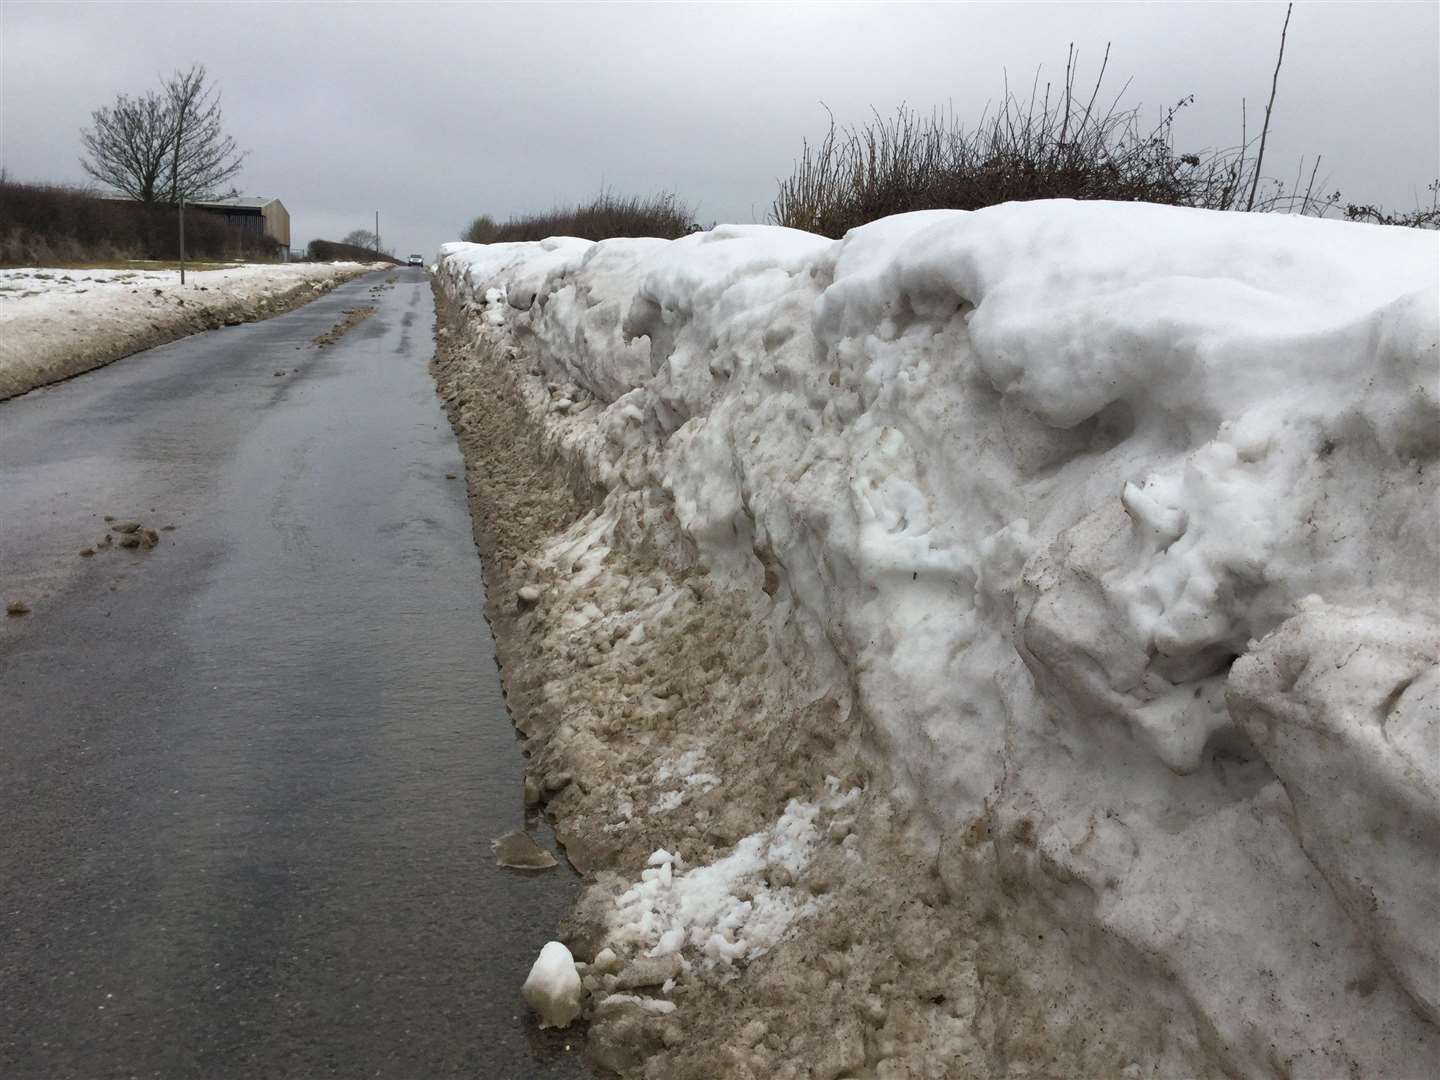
(55, 323)
(349, 319)
(993, 643)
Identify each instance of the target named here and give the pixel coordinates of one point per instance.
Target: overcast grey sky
(435, 112)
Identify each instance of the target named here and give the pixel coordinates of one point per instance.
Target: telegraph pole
(377, 232)
(182, 239)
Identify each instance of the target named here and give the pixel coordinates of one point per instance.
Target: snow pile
(55, 323)
(736, 907)
(552, 988)
(1114, 524)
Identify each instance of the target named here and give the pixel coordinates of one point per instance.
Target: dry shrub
(606, 216)
(1422, 217)
(482, 230)
(333, 251)
(43, 224)
(1065, 143)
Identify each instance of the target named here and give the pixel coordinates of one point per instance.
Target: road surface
(249, 777)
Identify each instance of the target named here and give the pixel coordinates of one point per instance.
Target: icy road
(249, 775)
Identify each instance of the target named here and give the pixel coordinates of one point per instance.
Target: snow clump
(552, 988)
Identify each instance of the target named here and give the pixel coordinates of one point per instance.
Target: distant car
(416, 260)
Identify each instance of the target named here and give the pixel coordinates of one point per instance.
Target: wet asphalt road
(249, 779)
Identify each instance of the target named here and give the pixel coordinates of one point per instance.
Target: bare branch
(126, 145)
(203, 157)
(164, 144)
(1265, 130)
(363, 238)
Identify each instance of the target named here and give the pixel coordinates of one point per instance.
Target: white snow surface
(685, 771)
(57, 322)
(729, 909)
(38, 291)
(1120, 520)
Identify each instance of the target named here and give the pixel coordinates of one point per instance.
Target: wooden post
(182, 239)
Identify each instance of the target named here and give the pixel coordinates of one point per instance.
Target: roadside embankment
(996, 642)
(55, 323)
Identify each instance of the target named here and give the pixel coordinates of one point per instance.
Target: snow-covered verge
(992, 643)
(55, 323)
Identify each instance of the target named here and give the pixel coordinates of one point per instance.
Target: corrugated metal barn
(252, 218)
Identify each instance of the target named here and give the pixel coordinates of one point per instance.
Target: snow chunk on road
(552, 988)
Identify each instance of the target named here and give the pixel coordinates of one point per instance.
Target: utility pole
(377, 232)
(182, 239)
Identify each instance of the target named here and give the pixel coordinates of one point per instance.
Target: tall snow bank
(1120, 523)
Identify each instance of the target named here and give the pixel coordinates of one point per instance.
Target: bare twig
(1265, 130)
(1310, 187)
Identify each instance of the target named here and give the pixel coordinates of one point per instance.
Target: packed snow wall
(1115, 528)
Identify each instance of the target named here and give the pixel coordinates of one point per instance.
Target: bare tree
(128, 145)
(164, 145)
(202, 156)
(362, 238)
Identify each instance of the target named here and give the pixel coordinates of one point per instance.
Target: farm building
(251, 219)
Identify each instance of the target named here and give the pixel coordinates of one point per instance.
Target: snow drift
(1113, 526)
